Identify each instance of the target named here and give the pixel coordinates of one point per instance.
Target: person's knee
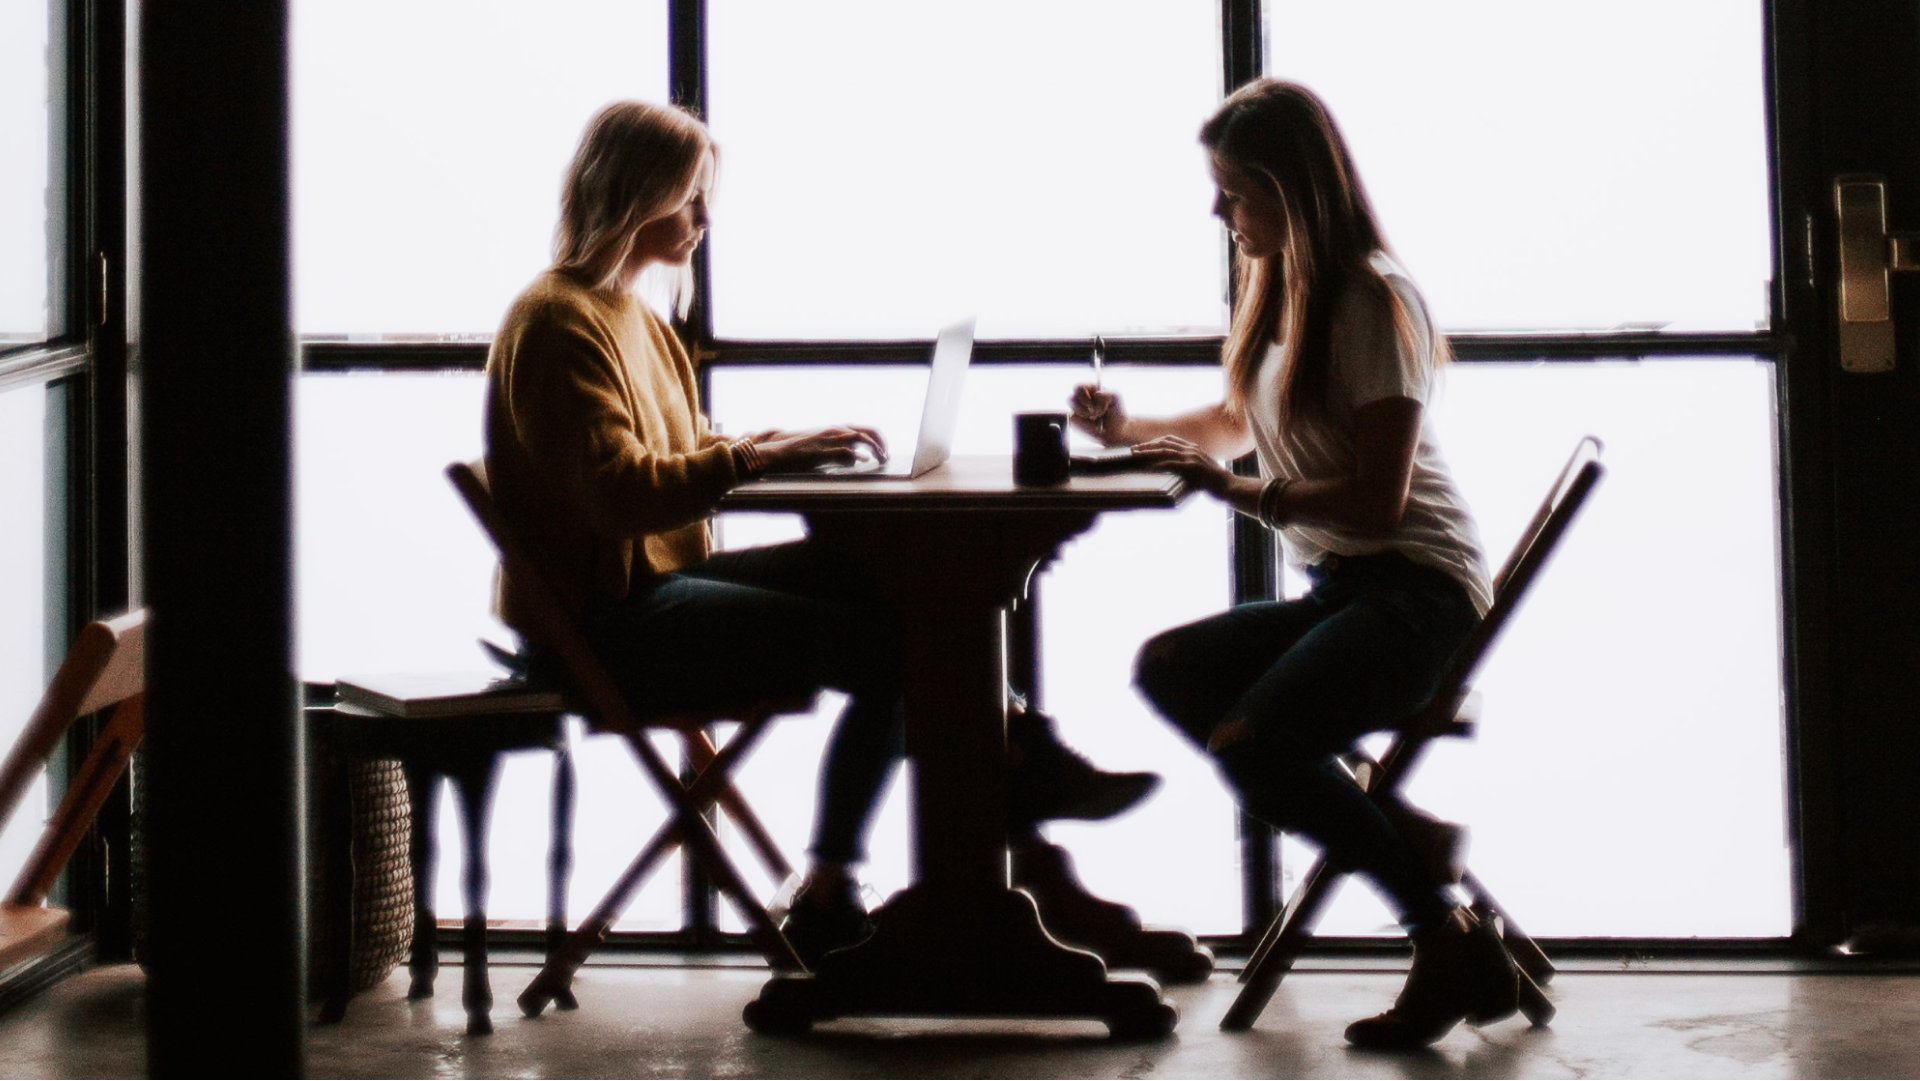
(1158, 670)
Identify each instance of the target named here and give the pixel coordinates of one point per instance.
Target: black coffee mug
(1039, 448)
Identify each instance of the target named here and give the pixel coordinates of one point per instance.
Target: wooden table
(953, 551)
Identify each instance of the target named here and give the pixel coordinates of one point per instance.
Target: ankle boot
(822, 919)
(1049, 780)
(1461, 972)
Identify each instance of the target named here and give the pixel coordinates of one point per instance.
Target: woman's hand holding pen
(1098, 413)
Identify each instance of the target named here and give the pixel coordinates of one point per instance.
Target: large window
(888, 167)
(1523, 158)
(24, 559)
(32, 196)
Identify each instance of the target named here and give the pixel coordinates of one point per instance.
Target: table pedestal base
(1113, 931)
(950, 956)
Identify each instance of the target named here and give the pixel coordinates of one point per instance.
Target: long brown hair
(1280, 135)
(634, 164)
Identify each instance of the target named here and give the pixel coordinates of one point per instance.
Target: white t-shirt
(1369, 363)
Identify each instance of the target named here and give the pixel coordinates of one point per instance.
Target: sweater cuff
(746, 458)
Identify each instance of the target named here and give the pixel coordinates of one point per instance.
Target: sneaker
(821, 921)
(1461, 972)
(1049, 780)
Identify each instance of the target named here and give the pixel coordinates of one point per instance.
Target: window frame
(82, 369)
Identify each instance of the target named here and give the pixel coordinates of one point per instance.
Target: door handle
(1868, 255)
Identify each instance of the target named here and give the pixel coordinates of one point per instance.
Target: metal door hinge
(1868, 254)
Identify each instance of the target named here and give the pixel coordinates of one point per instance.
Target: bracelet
(1268, 507)
(746, 457)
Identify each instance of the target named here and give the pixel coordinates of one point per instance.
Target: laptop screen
(941, 415)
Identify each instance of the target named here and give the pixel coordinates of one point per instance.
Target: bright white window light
(1554, 166)
(430, 139)
(23, 611)
(24, 113)
(887, 165)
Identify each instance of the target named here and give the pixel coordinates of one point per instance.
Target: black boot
(1048, 780)
(1461, 972)
(824, 919)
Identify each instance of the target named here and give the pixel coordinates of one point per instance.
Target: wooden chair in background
(1450, 713)
(607, 710)
(105, 667)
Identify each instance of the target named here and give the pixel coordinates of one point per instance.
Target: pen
(1099, 359)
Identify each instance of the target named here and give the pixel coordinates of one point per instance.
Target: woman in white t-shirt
(1330, 363)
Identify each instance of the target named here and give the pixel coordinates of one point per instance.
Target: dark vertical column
(687, 85)
(1848, 102)
(1254, 577)
(216, 356)
(99, 532)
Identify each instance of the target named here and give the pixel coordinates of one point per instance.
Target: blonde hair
(635, 163)
(1281, 136)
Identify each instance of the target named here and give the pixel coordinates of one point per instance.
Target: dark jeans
(1361, 651)
(779, 621)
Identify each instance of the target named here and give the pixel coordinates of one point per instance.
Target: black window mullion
(687, 79)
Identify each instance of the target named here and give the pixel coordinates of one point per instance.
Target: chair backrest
(1536, 545)
(548, 622)
(106, 665)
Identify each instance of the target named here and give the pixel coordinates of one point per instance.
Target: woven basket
(383, 882)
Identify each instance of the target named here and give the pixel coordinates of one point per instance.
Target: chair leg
(1288, 934)
(701, 752)
(474, 780)
(336, 799)
(555, 978)
(688, 828)
(560, 861)
(1531, 959)
(423, 958)
(1258, 958)
(1534, 1004)
(703, 845)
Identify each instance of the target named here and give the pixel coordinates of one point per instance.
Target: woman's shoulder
(554, 293)
(1373, 286)
(558, 302)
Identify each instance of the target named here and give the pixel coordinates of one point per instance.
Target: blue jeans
(773, 622)
(1363, 649)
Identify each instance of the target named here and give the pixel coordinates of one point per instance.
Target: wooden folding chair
(607, 709)
(1451, 712)
(105, 667)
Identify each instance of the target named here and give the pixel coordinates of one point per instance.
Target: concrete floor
(640, 1021)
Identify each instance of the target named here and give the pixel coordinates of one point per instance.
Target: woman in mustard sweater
(603, 464)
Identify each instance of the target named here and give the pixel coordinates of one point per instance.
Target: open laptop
(939, 416)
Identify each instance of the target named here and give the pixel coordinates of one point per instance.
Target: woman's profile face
(1250, 210)
(671, 238)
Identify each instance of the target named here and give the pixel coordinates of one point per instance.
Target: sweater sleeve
(568, 399)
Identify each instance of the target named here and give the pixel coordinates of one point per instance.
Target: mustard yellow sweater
(597, 452)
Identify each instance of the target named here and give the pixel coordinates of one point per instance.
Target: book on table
(445, 694)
